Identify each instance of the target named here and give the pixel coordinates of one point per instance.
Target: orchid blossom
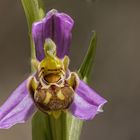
(53, 87)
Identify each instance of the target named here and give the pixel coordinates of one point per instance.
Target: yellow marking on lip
(60, 95)
(48, 97)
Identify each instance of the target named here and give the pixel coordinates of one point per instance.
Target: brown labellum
(54, 98)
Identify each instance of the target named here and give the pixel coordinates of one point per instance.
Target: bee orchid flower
(53, 87)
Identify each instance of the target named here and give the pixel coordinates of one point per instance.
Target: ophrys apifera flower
(53, 87)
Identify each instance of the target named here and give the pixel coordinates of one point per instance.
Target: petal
(89, 94)
(18, 108)
(81, 109)
(87, 103)
(37, 33)
(56, 26)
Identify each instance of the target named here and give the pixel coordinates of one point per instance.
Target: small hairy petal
(18, 107)
(87, 103)
(56, 26)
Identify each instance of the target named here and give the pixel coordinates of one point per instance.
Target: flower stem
(41, 127)
(58, 127)
(74, 127)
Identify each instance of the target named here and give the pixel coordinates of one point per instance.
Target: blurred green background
(116, 71)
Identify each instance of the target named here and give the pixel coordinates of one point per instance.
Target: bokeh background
(116, 72)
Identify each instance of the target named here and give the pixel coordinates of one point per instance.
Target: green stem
(58, 127)
(41, 127)
(34, 10)
(74, 127)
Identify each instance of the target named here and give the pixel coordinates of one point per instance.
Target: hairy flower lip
(58, 101)
(20, 106)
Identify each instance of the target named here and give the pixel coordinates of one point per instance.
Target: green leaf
(86, 67)
(34, 11)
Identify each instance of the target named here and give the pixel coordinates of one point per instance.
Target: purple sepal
(18, 107)
(56, 26)
(87, 103)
